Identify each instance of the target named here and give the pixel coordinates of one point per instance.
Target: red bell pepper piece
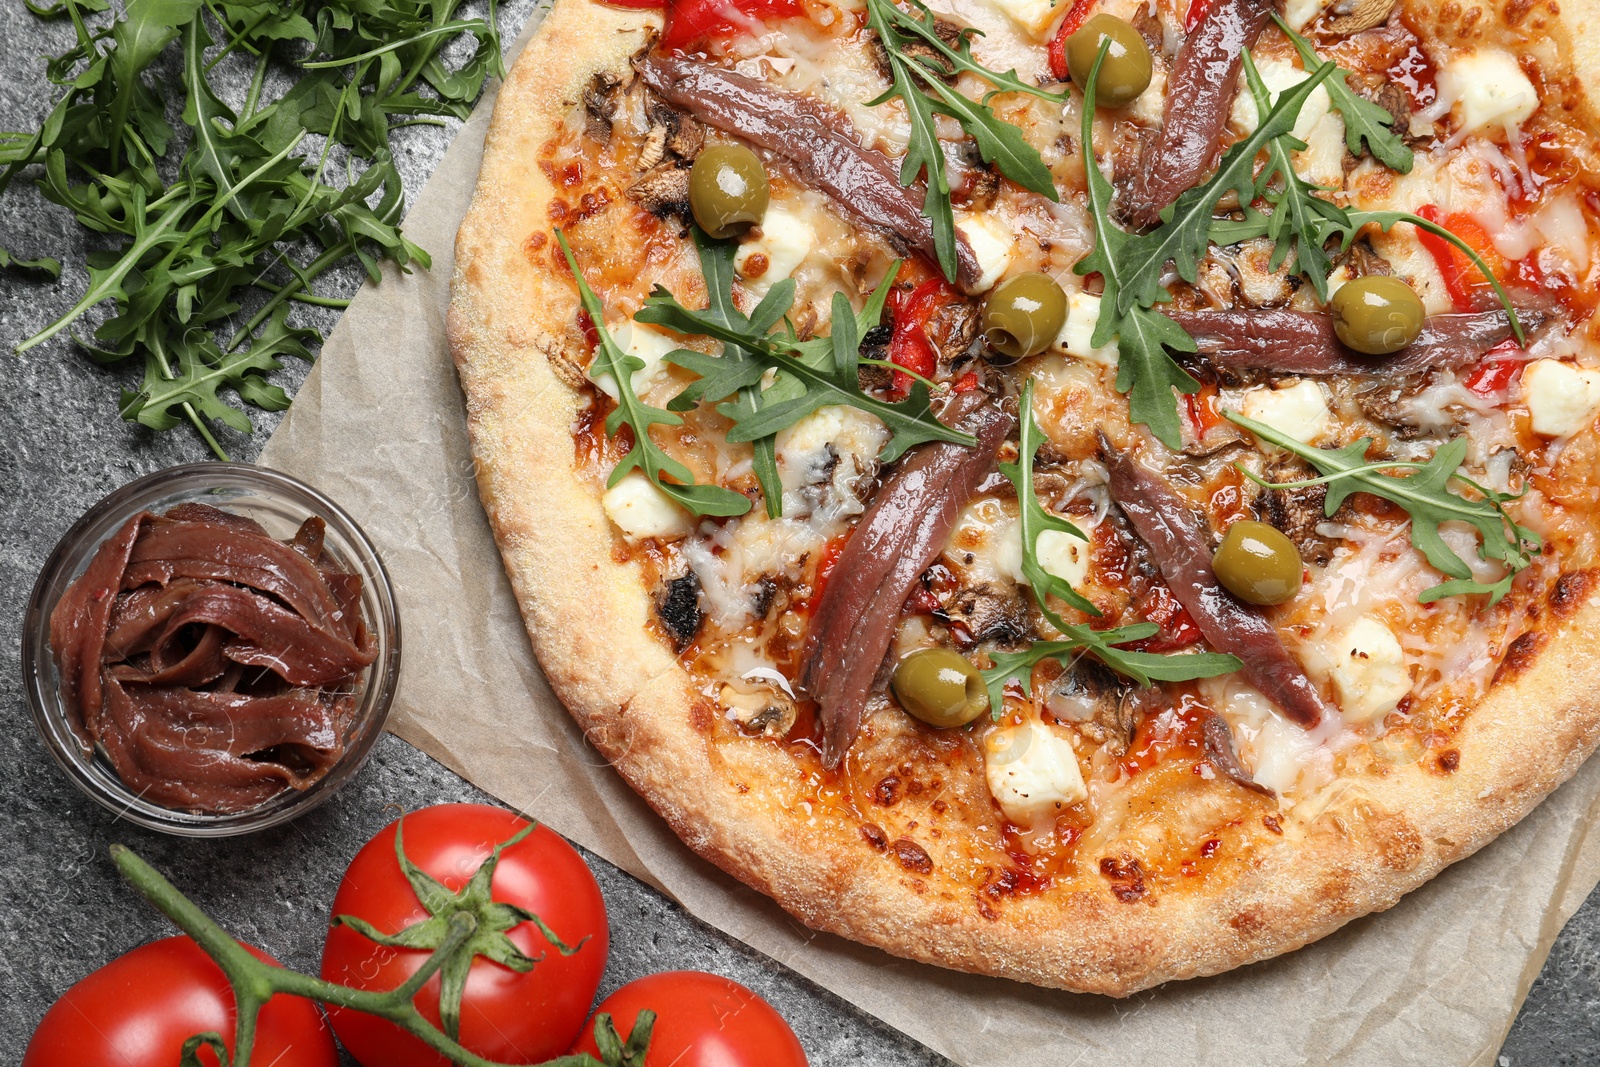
(1197, 11)
(1469, 289)
(1178, 629)
(1058, 44)
(909, 345)
(1495, 371)
(689, 22)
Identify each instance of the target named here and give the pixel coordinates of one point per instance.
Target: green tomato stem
(254, 982)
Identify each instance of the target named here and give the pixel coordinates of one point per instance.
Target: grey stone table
(63, 911)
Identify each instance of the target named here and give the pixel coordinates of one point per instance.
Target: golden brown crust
(1377, 837)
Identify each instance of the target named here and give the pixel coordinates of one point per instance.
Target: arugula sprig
(645, 456)
(1364, 121)
(1299, 218)
(808, 375)
(1426, 497)
(999, 142)
(1145, 371)
(1034, 519)
(1142, 667)
(1185, 231)
(206, 225)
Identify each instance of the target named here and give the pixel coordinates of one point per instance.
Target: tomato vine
(254, 983)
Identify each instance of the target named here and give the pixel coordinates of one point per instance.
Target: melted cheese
(1368, 670)
(986, 543)
(1032, 16)
(1280, 76)
(1032, 772)
(1063, 555)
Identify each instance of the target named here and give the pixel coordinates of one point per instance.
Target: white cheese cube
(1562, 399)
(1034, 16)
(991, 242)
(1063, 555)
(774, 250)
(1368, 670)
(1299, 411)
(637, 339)
(640, 510)
(1282, 750)
(1032, 772)
(1083, 315)
(1489, 89)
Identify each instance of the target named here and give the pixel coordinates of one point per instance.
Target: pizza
(1088, 492)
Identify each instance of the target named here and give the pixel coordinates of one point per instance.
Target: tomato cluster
(146, 1007)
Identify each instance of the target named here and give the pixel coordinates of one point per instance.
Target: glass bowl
(279, 503)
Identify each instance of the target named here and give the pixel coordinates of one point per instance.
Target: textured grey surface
(63, 911)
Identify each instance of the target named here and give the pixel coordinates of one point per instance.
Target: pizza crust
(1378, 838)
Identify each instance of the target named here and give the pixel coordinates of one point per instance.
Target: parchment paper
(379, 425)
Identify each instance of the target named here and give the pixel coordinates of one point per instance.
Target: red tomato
(1197, 13)
(505, 1016)
(690, 22)
(139, 1009)
(702, 1020)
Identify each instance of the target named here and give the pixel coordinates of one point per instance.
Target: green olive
(728, 190)
(1126, 70)
(1258, 564)
(1376, 314)
(1024, 314)
(940, 687)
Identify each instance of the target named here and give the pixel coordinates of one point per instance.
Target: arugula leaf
(922, 24)
(1363, 120)
(1034, 519)
(1144, 369)
(645, 456)
(1299, 219)
(1142, 667)
(1426, 497)
(923, 154)
(1185, 231)
(203, 369)
(43, 265)
(810, 374)
(718, 272)
(147, 29)
(197, 234)
(999, 142)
